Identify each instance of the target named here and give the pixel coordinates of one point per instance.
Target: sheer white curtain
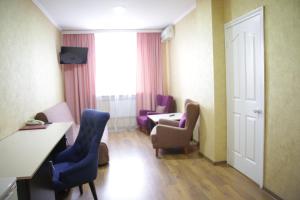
(116, 78)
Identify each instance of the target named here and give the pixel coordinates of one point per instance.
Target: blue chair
(78, 164)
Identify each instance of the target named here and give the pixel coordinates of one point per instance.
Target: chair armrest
(83, 169)
(81, 172)
(144, 112)
(165, 130)
(169, 122)
(170, 136)
(66, 156)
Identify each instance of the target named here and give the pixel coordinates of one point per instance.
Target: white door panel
(245, 93)
(250, 139)
(236, 135)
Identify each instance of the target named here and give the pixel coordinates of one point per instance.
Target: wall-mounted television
(73, 55)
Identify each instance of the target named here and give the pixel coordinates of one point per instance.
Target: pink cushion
(160, 109)
(182, 121)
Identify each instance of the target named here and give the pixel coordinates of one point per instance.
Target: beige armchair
(168, 134)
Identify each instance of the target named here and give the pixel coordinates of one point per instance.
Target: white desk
(8, 188)
(22, 153)
(168, 116)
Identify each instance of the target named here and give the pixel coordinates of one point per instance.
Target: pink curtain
(149, 70)
(80, 79)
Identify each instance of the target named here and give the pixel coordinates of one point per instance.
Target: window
(116, 63)
(116, 60)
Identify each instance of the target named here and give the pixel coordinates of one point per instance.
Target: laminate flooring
(134, 173)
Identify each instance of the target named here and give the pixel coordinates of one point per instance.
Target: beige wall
(219, 80)
(191, 69)
(30, 75)
(197, 71)
(282, 66)
(166, 67)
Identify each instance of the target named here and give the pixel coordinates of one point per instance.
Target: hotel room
(236, 62)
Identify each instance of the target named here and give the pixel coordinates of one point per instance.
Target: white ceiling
(99, 14)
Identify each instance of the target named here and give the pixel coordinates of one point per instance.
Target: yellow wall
(282, 67)
(30, 75)
(166, 67)
(219, 80)
(197, 71)
(191, 69)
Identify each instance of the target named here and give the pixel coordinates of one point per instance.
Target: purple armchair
(164, 105)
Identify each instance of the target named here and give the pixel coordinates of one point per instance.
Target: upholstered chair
(176, 134)
(164, 105)
(78, 164)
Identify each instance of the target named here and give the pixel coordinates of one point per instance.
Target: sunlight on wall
(31, 79)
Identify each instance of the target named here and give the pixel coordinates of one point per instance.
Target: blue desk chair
(78, 164)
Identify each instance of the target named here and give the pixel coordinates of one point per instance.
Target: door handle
(258, 111)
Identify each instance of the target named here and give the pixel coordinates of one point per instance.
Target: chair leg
(80, 189)
(51, 168)
(156, 152)
(92, 186)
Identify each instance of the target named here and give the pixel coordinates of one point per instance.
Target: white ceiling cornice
(112, 30)
(44, 11)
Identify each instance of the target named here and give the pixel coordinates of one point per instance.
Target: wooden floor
(134, 173)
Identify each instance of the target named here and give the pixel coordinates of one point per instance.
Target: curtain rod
(112, 30)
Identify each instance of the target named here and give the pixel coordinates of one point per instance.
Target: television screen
(73, 55)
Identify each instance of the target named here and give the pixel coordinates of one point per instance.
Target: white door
(244, 45)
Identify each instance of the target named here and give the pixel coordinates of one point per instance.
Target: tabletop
(169, 116)
(23, 152)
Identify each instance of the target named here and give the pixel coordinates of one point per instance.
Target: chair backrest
(92, 126)
(166, 101)
(192, 110)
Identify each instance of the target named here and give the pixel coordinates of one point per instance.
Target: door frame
(255, 12)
